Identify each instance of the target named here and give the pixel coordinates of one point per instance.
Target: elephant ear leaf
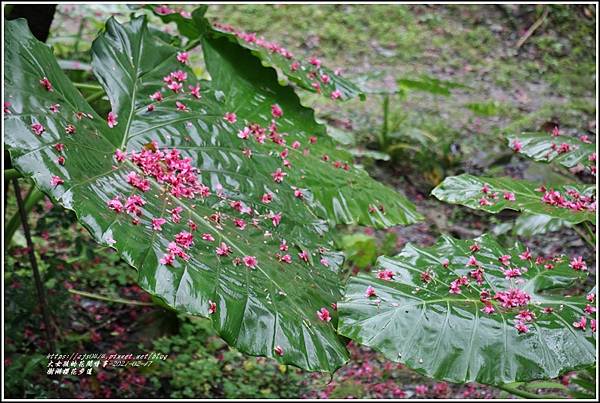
(310, 75)
(472, 311)
(565, 150)
(570, 203)
(343, 195)
(182, 183)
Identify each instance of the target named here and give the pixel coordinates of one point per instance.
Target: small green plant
(412, 140)
(361, 249)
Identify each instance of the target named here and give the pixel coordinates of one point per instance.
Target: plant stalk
(78, 38)
(192, 44)
(385, 127)
(95, 96)
(515, 391)
(88, 86)
(36, 273)
(31, 200)
(109, 299)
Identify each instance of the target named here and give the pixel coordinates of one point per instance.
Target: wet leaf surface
(414, 319)
(492, 195)
(262, 307)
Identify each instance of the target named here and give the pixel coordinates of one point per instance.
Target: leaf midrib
(135, 84)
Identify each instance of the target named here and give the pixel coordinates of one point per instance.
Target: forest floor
(507, 89)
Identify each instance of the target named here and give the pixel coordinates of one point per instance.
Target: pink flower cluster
(571, 200)
(169, 168)
(456, 284)
(163, 9)
(477, 275)
(38, 129)
(488, 196)
(133, 205)
(175, 79)
(370, 292)
(562, 148)
(512, 273)
(578, 264)
(426, 276)
(272, 47)
(183, 240)
(512, 298)
(323, 315)
(223, 249)
(138, 182)
(385, 275)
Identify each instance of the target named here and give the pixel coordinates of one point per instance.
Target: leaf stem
(109, 299)
(514, 390)
(87, 86)
(192, 44)
(31, 200)
(95, 96)
(78, 38)
(385, 127)
(34, 267)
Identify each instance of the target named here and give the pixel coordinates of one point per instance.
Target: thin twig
(31, 200)
(109, 299)
(532, 28)
(36, 273)
(513, 390)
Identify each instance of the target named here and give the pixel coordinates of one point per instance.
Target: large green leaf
(468, 190)
(447, 336)
(184, 21)
(347, 197)
(547, 148)
(303, 73)
(257, 309)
